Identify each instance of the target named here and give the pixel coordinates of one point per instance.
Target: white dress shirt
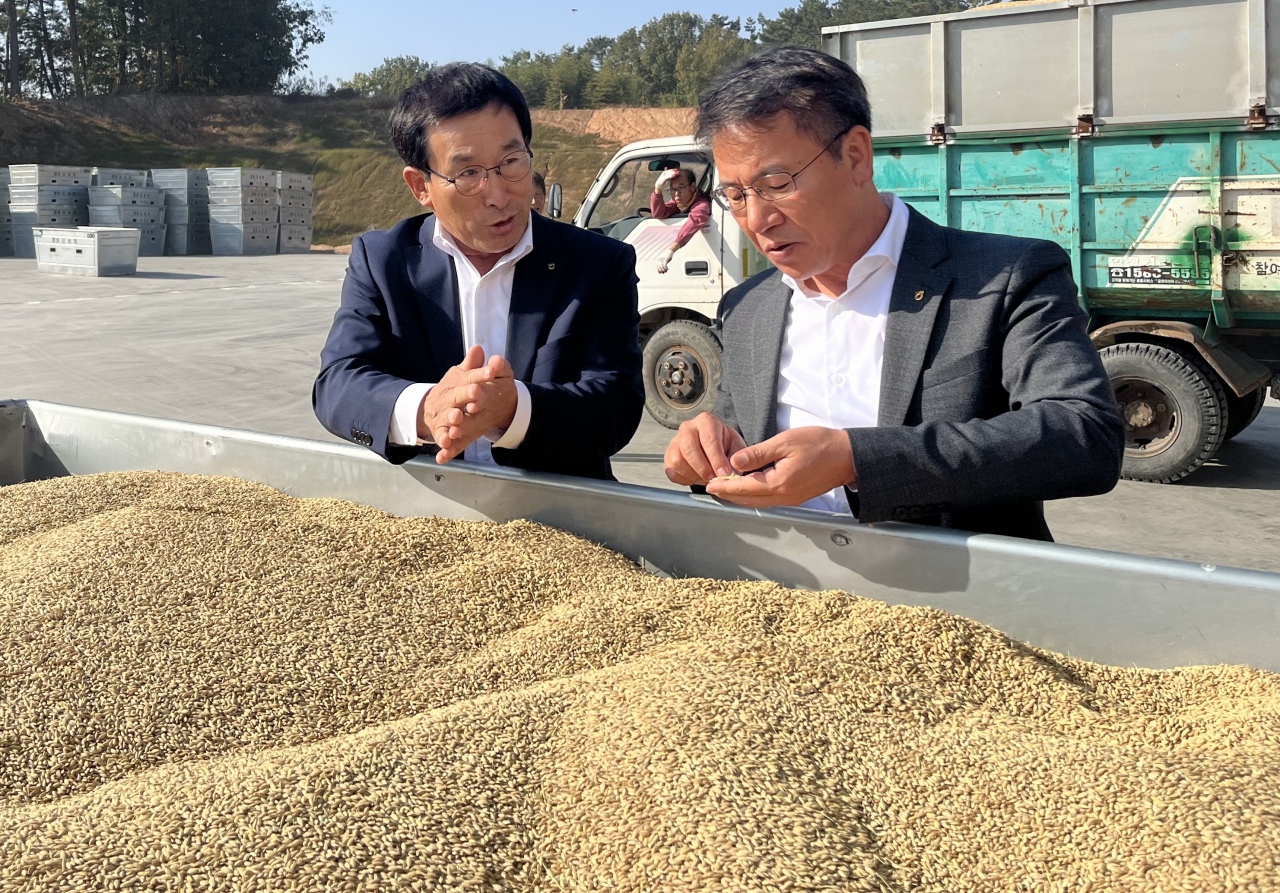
(833, 349)
(485, 303)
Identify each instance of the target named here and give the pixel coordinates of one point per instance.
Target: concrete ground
(236, 341)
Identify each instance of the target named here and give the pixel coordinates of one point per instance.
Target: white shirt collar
(886, 247)
(445, 241)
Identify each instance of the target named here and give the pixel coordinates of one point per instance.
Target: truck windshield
(625, 199)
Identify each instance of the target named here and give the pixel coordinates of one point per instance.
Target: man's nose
(495, 190)
(761, 216)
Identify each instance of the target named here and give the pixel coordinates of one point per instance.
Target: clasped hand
(788, 469)
(471, 400)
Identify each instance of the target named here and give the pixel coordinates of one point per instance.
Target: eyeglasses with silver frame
(770, 187)
(471, 179)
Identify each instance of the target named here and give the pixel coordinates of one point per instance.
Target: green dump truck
(1141, 136)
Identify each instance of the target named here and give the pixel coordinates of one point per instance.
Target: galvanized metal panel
(1006, 69)
(1108, 607)
(1035, 66)
(1173, 57)
(895, 64)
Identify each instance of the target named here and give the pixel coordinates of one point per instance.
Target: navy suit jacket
(572, 338)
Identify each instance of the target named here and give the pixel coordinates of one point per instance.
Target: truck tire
(681, 372)
(1242, 411)
(1173, 410)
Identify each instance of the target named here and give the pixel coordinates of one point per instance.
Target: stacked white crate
(6, 220)
(88, 250)
(244, 210)
(297, 200)
(122, 198)
(186, 210)
(46, 195)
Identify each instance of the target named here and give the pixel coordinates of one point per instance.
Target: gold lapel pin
(551, 266)
(920, 296)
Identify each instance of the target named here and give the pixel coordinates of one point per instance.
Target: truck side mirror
(555, 201)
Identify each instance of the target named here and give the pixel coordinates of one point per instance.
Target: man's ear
(419, 184)
(857, 153)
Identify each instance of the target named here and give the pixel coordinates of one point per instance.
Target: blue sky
(364, 32)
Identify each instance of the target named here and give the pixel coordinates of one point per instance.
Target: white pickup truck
(677, 308)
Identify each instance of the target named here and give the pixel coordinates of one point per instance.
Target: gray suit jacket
(992, 397)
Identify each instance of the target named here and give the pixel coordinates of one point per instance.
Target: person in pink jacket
(686, 198)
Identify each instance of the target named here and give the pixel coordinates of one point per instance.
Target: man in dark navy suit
(484, 331)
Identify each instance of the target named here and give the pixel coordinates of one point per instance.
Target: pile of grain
(210, 685)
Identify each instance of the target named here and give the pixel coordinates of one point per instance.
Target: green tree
(720, 46)
(83, 47)
(395, 75)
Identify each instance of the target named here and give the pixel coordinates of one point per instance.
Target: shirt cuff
(514, 435)
(404, 418)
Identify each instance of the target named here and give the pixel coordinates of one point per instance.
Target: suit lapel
(918, 291)
(532, 292)
(435, 283)
(759, 419)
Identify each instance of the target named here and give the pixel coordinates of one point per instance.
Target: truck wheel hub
(1152, 422)
(681, 380)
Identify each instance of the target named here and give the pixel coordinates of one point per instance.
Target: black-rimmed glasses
(470, 180)
(770, 187)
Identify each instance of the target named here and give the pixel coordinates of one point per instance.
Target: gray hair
(824, 96)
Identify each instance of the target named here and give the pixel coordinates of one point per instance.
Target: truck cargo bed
(1101, 606)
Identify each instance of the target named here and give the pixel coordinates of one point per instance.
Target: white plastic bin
(125, 195)
(236, 238)
(296, 217)
(182, 239)
(49, 195)
(87, 251)
(119, 176)
(241, 176)
(260, 196)
(151, 239)
(295, 199)
(197, 196)
(179, 177)
(124, 215)
(49, 215)
(49, 175)
(295, 239)
(186, 214)
(247, 214)
(292, 181)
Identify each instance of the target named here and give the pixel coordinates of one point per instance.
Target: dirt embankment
(343, 142)
(619, 126)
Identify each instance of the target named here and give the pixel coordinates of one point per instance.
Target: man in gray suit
(887, 366)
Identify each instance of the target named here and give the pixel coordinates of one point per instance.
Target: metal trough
(1102, 606)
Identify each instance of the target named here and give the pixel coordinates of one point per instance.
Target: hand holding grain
(700, 451)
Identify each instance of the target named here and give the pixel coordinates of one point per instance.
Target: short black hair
(824, 96)
(540, 181)
(447, 92)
